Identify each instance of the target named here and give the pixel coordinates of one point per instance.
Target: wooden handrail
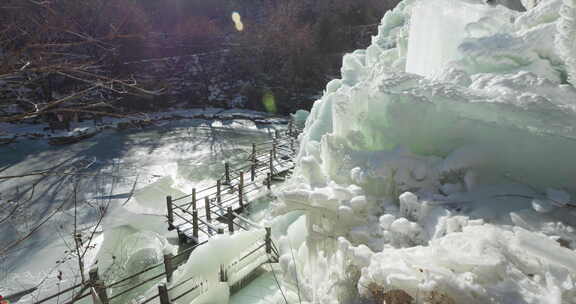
(59, 293)
(123, 292)
(133, 275)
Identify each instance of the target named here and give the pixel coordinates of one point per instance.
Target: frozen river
(118, 182)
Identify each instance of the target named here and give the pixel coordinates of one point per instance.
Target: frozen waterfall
(440, 167)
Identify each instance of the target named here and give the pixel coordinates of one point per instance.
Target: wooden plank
(168, 267)
(98, 285)
(230, 219)
(219, 192)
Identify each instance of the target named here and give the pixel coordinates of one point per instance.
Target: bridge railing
(197, 210)
(254, 256)
(251, 258)
(108, 292)
(282, 145)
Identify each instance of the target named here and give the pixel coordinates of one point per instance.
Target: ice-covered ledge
(437, 28)
(454, 181)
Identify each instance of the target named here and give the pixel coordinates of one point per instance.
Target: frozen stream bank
(123, 175)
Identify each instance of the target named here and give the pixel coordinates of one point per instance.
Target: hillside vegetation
(67, 56)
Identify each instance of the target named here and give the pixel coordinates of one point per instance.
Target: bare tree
(55, 56)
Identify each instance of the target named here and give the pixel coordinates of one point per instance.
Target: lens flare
(237, 19)
(269, 102)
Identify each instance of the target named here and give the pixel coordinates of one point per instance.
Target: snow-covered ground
(440, 168)
(19, 131)
(122, 177)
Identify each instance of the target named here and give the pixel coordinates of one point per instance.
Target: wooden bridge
(203, 213)
(197, 217)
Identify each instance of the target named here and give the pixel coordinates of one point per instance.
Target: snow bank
(442, 160)
(124, 251)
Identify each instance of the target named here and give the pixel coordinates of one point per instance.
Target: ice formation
(440, 166)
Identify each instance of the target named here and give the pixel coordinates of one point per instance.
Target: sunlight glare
(237, 19)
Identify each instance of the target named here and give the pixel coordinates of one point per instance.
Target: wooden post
(271, 164)
(253, 172)
(195, 225)
(93, 274)
(207, 206)
(98, 285)
(230, 220)
(268, 240)
(170, 209)
(219, 192)
(182, 239)
(253, 152)
(268, 181)
(78, 240)
(194, 199)
(292, 145)
(168, 267)
(276, 134)
(227, 173)
(223, 274)
(163, 293)
(274, 149)
(241, 191)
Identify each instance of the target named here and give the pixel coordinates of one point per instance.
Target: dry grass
(399, 296)
(394, 296)
(439, 298)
